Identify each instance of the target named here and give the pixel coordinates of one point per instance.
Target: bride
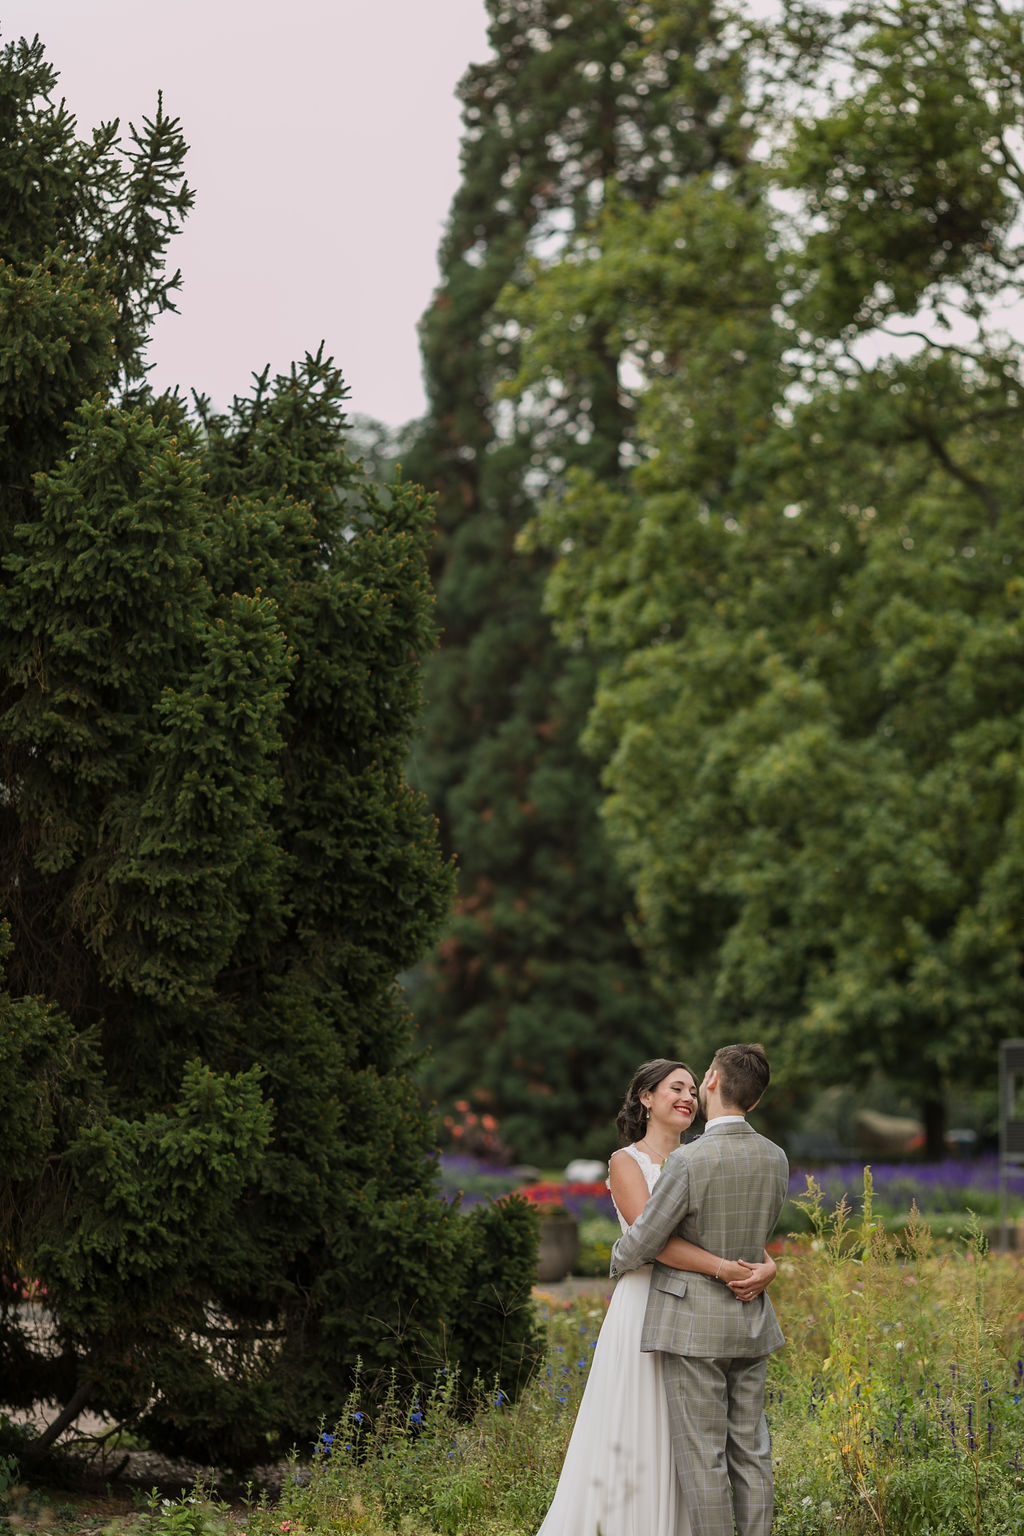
(618, 1477)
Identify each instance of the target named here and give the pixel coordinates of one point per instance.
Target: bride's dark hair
(632, 1118)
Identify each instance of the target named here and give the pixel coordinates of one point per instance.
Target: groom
(725, 1192)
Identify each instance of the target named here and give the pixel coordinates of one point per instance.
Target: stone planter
(559, 1244)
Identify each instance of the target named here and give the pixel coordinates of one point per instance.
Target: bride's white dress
(618, 1477)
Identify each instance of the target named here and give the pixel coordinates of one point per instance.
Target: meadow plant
(197, 1511)
(10, 1473)
(425, 1468)
(896, 1407)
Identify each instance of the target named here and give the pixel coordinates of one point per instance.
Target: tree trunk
(68, 1414)
(933, 1114)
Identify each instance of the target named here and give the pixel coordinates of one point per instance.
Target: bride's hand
(754, 1279)
(733, 1272)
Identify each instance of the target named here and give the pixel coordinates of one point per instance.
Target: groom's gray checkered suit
(724, 1192)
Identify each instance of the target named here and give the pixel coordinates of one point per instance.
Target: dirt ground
(98, 1498)
(53, 1512)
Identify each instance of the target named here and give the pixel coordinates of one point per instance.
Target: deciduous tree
(805, 603)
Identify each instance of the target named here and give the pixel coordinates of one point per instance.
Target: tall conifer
(538, 1003)
(212, 1163)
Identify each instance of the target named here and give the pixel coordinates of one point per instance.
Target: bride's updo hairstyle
(632, 1117)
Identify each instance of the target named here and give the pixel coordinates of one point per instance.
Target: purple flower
(941, 1186)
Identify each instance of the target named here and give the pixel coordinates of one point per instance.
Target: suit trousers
(720, 1442)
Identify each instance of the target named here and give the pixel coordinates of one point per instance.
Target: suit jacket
(724, 1192)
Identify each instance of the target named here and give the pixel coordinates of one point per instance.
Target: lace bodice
(650, 1170)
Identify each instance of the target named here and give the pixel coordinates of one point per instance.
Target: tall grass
(896, 1409)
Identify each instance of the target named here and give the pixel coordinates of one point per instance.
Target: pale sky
(324, 153)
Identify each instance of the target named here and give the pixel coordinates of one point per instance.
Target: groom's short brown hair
(742, 1074)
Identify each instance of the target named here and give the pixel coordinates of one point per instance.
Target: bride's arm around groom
(724, 1192)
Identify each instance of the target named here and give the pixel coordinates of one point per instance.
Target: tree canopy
(804, 603)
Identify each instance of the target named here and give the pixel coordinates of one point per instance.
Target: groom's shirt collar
(725, 1120)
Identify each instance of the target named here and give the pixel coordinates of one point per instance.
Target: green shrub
(597, 1237)
(10, 1473)
(493, 1334)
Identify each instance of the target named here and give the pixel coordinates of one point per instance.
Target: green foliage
(537, 997)
(803, 604)
(495, 1328)
(84, 229)
(598, 1236)
(9, 1476)
(216, 1178)
(195, 1512)
(905, 174)
(899, 1408)
(892, 1322)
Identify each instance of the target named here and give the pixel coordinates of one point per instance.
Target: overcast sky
(324, 139)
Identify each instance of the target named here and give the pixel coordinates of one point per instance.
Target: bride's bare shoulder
(625, 1160)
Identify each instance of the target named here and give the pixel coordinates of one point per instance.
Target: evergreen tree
(538, 1003)
(213, 1163)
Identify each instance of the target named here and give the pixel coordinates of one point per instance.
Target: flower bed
(955, 1184)
(581, 1200)
(474, 1181)
(949, 1195)
(944, 1194)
